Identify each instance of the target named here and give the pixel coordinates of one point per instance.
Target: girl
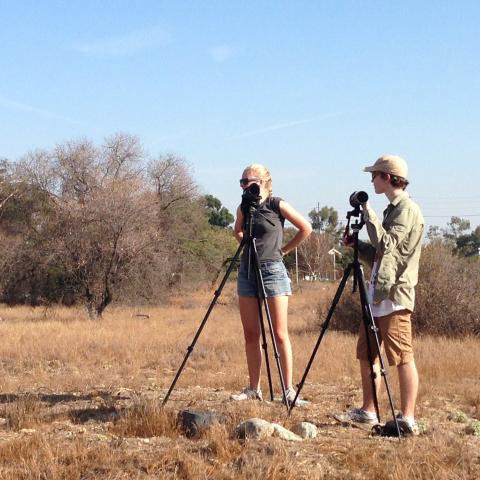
(267, 228)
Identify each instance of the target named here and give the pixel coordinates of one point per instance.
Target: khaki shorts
(395, 332)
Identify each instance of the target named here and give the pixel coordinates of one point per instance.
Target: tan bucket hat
(392, 164)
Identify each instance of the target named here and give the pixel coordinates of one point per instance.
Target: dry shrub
(270, 461)
(447, 296)
(25, 412)
(448, 300)
(347, 313)
(439, 458)
(309, 302)
(145, 419)
(35, 456)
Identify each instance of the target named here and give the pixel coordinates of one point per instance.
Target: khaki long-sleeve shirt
(395, 245)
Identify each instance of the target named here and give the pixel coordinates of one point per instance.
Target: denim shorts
(275, 279)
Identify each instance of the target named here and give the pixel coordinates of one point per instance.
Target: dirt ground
(85, 423)
(83, 400)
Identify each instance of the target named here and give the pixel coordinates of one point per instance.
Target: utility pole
(333, 252)
(296, 264)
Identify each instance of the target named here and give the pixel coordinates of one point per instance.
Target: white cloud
(280, 126)
(222, 53)
(14, 105)
(127, 44)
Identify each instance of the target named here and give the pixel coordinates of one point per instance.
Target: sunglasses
(246, 180)
(375, 174)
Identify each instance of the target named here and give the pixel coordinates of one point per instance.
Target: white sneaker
(247, 394)
(290, 394)
(408, 425)
(357, 415)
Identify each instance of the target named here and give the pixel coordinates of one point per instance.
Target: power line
(448, 216)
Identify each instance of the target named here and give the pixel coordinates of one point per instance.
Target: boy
(394, 254)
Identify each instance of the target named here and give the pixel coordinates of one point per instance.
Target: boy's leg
(408, 378)
(367, 387)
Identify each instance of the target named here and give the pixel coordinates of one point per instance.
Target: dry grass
(80, 399)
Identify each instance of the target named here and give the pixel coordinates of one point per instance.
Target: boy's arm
(382, 240)
(366, 252)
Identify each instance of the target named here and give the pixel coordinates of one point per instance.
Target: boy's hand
(347, 239)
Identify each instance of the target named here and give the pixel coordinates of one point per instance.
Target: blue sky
(314, 90)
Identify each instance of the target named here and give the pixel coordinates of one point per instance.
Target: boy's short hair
(395, 180)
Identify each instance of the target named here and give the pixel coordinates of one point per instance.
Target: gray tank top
(268, 236)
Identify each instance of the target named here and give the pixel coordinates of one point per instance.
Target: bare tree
(7, 192)
(95, 222)
(103, 237)
(313, 253)
(172, 180)
(103, 216)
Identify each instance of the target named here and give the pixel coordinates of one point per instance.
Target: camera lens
(251, 197)
(357, 198)
(253, 189)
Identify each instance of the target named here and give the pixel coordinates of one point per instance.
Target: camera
(357, 198)
(251, 197)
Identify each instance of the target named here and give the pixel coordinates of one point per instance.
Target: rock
(195, 422)
(254, 428)
(306, 430)
(284, 434)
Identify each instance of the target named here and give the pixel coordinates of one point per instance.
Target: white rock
(284, 434)
(306, 430)
(254, 428)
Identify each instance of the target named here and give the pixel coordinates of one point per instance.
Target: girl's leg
(251, 331)
(279, 310)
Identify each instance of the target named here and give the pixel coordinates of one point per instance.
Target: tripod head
(356, 200)
(250, 207)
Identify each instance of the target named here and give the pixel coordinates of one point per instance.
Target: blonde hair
(262, 172)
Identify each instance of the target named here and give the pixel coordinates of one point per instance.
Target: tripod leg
(325, 325)
(204, 321)
(369, 323)
(265, 348)
(262, 295)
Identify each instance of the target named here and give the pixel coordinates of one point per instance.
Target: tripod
(368, 321)
(248, 241)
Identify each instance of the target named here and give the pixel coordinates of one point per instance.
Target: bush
(447, 295)
(448, 300)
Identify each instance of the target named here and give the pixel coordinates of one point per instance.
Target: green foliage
(458, 416)
(464, 243)
(288, 234)
(217, 215)
(208, 251)
(456, 228)
(469, 245)
(324, 219)
(473, 428)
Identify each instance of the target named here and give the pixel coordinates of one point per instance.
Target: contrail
(30, 109)
(280, 126)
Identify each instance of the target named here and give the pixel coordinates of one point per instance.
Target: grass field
(81, 399)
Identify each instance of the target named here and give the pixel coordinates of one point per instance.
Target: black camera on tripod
(250, 197)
